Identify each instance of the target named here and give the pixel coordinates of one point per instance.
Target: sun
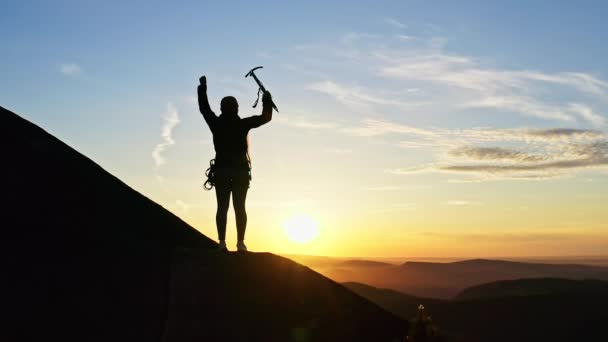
(301, 229)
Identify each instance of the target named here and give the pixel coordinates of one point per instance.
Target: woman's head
(229, 106)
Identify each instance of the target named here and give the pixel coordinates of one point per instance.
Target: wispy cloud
(572, 157)
(405, 37)
(495, 154)
(504, 90)
(478, 88)
(535, 154)
(443, 137)
(465, 72)
(588, 114)
(500, 163)
(517, 237)
(353, 37)
(170, 121)
(524, 105)
(461, 83)
(70, 69)
(527, 135)
(458, 80)
(395, 23)
(374, 127)
(397, 187)
(357, 95)
(305, 123)
(461, 203)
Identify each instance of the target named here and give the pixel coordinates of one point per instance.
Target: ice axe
(262, 89)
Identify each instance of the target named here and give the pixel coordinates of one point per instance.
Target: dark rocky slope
(87, 258)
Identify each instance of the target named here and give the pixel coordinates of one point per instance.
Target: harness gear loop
(210, 174)
(249, 165)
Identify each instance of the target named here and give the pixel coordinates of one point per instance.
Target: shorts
(232, 178)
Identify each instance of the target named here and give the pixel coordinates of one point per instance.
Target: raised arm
(203, 102)
(259, 120)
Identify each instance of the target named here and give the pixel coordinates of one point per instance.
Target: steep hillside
(269, 297)
(87, 258)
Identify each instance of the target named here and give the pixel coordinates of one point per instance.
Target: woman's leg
(239, 195)
(222, 193)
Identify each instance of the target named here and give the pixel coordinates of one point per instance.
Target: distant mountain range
(527, 310)
(86, 258)
(443, 280)
(533, 287)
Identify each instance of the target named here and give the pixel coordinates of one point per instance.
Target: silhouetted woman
(232, 164)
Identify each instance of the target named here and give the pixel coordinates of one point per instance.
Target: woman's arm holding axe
(255, 121)
(266, 107)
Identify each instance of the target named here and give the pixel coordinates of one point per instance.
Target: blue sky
(490, 113)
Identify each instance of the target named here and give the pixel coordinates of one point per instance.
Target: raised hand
(203, 101)
(267, 97)
(202, 87)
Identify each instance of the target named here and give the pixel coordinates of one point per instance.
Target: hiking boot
(240, 246)
(222, 247)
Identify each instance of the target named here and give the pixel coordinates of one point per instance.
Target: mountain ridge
(445, 280)
(532, 286)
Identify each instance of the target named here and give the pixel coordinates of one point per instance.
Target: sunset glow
(301, 229)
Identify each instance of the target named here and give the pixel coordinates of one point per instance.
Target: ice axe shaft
(262, 88)
(257, 80)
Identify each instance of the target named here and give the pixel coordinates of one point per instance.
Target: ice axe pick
(262, 89)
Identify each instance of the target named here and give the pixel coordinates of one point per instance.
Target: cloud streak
(375, 127)
(70, 69)
(494, 154)
(501, 163)
(504, 90)
(306, 123)
(535, 153)
(356, 96)
(460, 83)
(578, 156)
(515, 237)
(170, 121)
(395, 23)
(478, 90)
(461, 203)
(438, 137)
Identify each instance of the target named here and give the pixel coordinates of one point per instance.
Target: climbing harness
(210, 173)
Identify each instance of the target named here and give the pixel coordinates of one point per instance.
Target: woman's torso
(230, 143)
